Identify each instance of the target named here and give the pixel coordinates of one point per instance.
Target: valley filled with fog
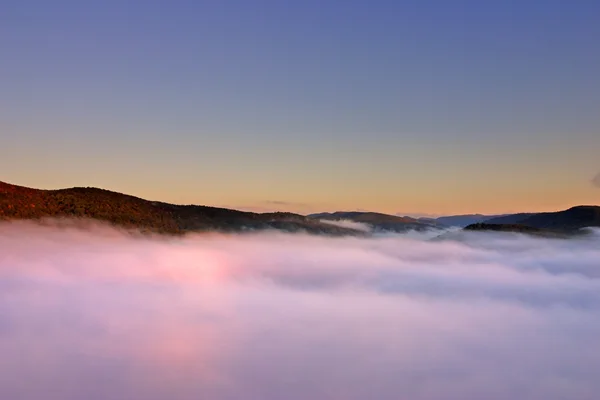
(96, 313)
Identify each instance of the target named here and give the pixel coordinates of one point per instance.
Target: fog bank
(96, 313)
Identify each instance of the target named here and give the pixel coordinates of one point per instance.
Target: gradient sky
(396, 106)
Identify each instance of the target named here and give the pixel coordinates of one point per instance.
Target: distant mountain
(379, 221)
(565, 222)
(568, 220)
(573, 218)
(18, 202)
(508, 218)
(516, 228)
(463, 220)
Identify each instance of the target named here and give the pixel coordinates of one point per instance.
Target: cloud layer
(347, 223)
(94, 313)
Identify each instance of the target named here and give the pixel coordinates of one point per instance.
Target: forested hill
(18, 202)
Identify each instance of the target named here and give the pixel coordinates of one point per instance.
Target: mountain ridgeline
(379, 221)
(569, 220)
(548, 224)
(23, 203)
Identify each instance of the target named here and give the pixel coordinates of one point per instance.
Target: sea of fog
(95, 313)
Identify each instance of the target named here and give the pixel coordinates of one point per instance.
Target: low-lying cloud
(347, 223)
(98, 314)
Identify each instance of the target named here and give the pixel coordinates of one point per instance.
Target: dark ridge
(508, 219)
(19, 202)
(516, 228)
(569, 220)
(524, 229)
(464, 220)
(481, 226)
(379, 221)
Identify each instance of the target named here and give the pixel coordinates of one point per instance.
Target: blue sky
(397, 106)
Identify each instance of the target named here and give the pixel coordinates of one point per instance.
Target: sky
(429, 107)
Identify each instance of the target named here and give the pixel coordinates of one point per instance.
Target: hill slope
(18, 202)
(568, 220)
(515, 228)
(379, 221)
(463, 220)
(508, 219)
(549, 223)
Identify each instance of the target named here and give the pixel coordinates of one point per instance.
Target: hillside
(514, 228)
(565, 221)
(378, 221)
(508, 218)
(568, 220)
(463, 220)
(18, 202)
